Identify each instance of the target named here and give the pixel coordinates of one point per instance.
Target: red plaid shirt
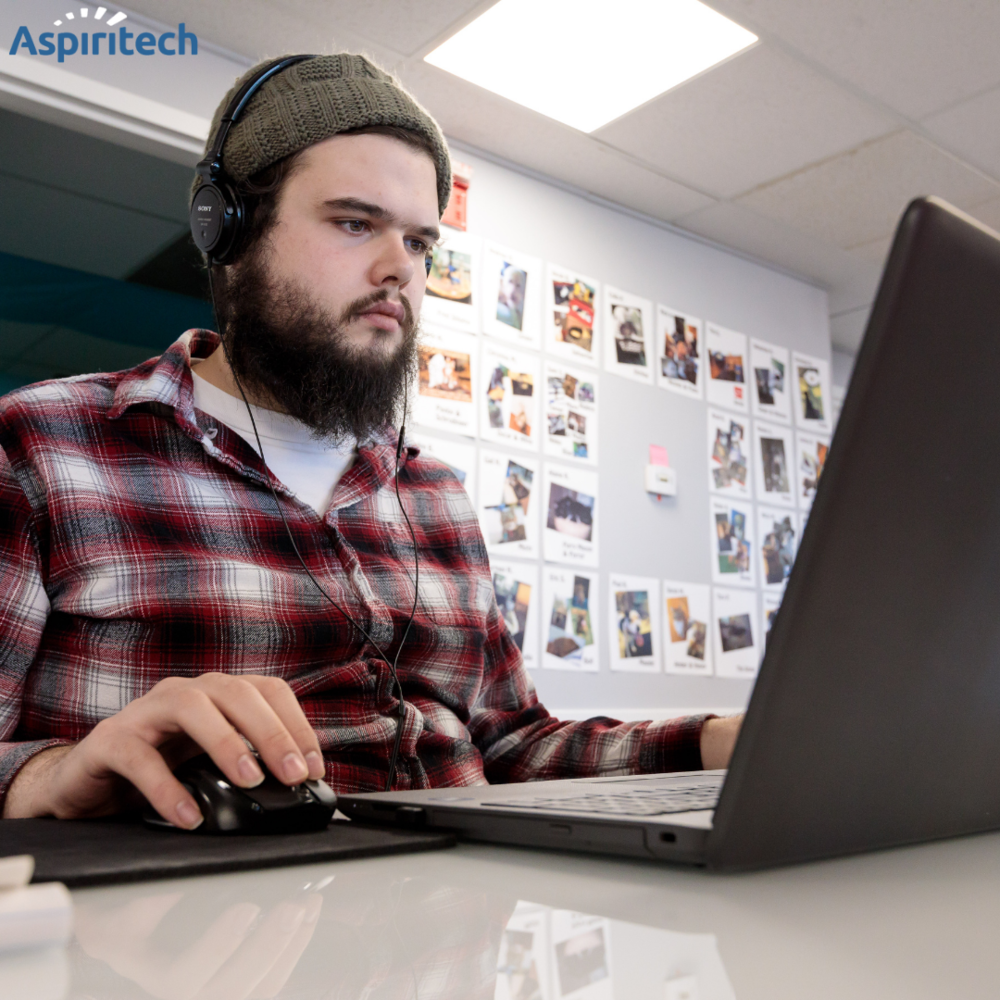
(139, 540)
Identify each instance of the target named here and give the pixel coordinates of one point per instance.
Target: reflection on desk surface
(485, 923)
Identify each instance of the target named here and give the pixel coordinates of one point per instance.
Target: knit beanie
(318, 98)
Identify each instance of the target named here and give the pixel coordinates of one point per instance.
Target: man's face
(356, 219)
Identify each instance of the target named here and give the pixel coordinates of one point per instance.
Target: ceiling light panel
(588, 62)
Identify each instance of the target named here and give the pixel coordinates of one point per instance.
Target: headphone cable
(391, 664)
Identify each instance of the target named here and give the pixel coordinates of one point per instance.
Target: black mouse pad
(98, 852)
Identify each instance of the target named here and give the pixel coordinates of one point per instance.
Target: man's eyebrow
(374, 211)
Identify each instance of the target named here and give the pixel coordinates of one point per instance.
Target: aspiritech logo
(105, 41)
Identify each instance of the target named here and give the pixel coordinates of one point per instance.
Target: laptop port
(668, 838)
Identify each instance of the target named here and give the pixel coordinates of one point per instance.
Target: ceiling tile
(405, 26)
(499, 126)
(857, 291)
(969, 129)
(917, 56)
(858, 197)
(736, 226)
(757, 117)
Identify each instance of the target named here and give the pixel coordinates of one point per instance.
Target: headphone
(216, 215)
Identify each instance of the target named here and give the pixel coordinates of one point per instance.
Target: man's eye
(355, 225)
(419, 246)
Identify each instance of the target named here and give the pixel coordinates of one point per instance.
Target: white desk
(911, 923)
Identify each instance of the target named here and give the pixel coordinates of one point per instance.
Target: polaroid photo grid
(811, 451)
(778, 531)
(770, 377)
(570, 534)
(686, 628)
(735, 632)
(679, 348)
(570, 421)
(453, 283)
(508, 503)
(509, 396)
(729, 455)
(628, 335)
(512, 296)
(447, 365)
(569, 329)
(732, 537)
(727, 357)
(569, 620)
(774, 458)
(457, 455)
(634, 623)
(814, 400)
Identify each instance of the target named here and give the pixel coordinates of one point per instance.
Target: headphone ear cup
(216, 220)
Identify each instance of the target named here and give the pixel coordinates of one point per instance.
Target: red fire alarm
(455, 215)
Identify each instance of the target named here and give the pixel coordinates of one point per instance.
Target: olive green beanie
(313, 100)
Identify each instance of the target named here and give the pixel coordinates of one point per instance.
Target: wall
(640, 536)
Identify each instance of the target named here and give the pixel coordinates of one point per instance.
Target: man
(151, 601)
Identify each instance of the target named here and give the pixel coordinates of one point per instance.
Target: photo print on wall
(453, 283)
(773, 463)
(516, 588)
(447, 363)
(734, 621)
(512, 291)
(729, 461)
(770, 381)
(508, 507)
(679, 348)
(581, 948)
(570, 413)
(779, 536)
(570, 515)
(811, 451)
(628, 335)
(509, 397)
(727, 357)
(813, 403)
(571, 307)
(570, 625)
(731, 533)
(634, 622)
(686, 628)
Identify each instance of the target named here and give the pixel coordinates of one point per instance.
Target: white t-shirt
(310, 468)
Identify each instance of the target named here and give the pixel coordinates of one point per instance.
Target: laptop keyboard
(627, 802)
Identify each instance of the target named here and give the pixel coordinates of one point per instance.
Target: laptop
(875, 718)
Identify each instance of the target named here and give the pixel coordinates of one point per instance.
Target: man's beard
(290, 353)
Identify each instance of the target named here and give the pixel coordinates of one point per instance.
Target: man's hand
(135, 749)
(718, 737)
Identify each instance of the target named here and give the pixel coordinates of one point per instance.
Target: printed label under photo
(509, 397)
(570, 515)
(569, 620)
(727, 365)
(569, 327)
(447, 365)
(634, 623)
(508, 504)
(729, 455)
(512, 296)
(770, 382)
(518, 598)
(628, 335)
(731, 535)
(734, 628)
(773, 463)
(451, 298)
(814, 400)
(570, 413)
(686, 624)
(778, 532)
(680, 350)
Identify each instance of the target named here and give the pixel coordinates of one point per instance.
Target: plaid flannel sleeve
(24, 608)
(520, 741)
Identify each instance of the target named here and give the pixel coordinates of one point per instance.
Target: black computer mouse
(271, 807)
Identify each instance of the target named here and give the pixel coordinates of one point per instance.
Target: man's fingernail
(294, 768)
(189, 815)
(316, 766)
(250, 771)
